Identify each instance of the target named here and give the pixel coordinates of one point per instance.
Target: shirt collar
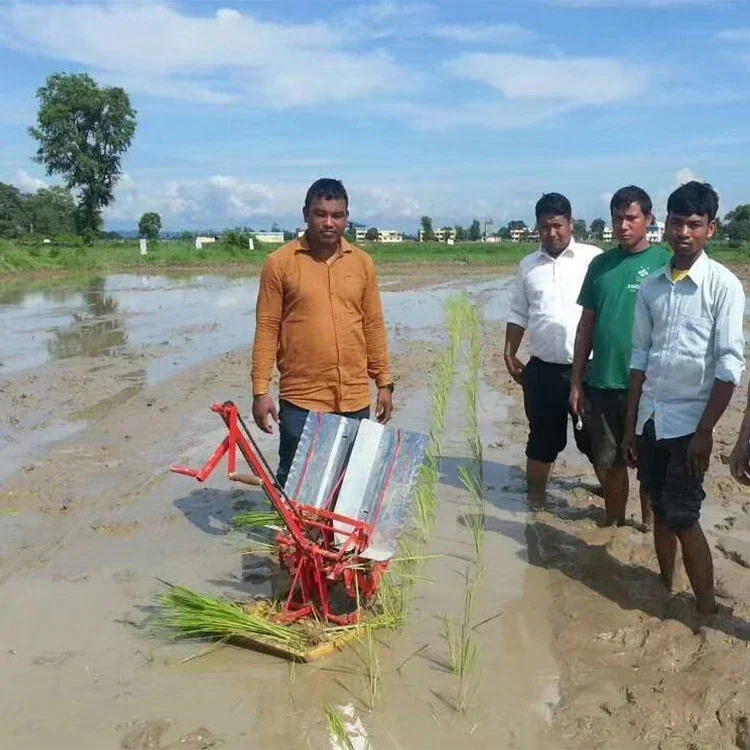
(303, 246)
(569, 251)
(696, 273)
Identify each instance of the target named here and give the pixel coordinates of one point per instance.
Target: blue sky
(452, 109)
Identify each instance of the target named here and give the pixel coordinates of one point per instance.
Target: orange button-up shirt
(322, 322)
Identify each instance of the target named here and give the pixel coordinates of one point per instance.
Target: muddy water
(88, 528)
(138, 331)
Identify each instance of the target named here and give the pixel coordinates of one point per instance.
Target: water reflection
(97, 329)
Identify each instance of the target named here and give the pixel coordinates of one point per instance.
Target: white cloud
(225, 200)
(221, 197)
(226, 57)
(384, 203)
(577, 80)
(492, 33)
(493, 115)
(384, 18)
(734, 35)
(28, 184)
(686, 175)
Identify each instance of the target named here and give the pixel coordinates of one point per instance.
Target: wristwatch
(389, 387)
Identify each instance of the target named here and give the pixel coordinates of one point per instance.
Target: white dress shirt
(686, 335)
(545, 300)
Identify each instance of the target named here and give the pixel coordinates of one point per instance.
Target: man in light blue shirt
(688, 356)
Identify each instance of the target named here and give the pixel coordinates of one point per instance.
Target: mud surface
(107, 384)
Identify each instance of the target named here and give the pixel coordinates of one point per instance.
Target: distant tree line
(734, 228)
(48, 211)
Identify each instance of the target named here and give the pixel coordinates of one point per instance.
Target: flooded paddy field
(106, 382)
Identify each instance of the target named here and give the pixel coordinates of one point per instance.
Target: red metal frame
(306, 546)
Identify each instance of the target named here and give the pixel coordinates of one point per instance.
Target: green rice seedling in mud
(336, 723)
(474, 511)
(462, 650)
(186, 614)
(370, 663)
(255, 519)
(471, 391)
(426, 495)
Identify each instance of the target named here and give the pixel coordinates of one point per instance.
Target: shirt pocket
(694, 335)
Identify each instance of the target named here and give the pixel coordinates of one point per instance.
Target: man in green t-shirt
(608, 298)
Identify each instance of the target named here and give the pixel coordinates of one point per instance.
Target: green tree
(504, 233)
(371, 233)
(83, 132)
(428, 233)
(516, 224)
(460, 233)
(475, 231)
(51, 211)
(597, 228)
(738, 225)
(13, 220)
(150, 225)
(579, 229)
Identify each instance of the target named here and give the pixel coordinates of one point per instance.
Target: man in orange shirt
(320, 319)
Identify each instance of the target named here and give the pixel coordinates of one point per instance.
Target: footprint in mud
(52, 660)
(147, 735)
(735, 551)
(727, 525)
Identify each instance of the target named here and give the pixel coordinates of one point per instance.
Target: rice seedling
(336, 722)
(474, 512)
(255, 519)
(462, 651)
(186, 614)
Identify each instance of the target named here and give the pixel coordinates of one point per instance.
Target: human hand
(699, 453)
(577, 399)
(739, 460)
(384, 405)
(263, 408)
(630, 448)
(515, 367)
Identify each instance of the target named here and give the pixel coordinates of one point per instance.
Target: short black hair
(327, 189)
(553, 204)
(631, 194)
(694, 198)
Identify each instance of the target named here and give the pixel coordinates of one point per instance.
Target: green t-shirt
(610, 289)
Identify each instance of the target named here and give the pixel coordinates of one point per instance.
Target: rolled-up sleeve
(519, 306)
(376, 340)
(642, 326)
(268, 322)
(729, 340)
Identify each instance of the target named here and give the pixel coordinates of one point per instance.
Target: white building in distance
(441, 235)
(390, 235)
(524, 235)
(607, 234)
(275, 237)
(655, 232)
(384, 235)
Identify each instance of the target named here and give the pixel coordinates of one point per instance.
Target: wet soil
(580, 646)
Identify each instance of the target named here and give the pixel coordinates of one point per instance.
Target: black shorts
(546, 393)
(675, 495)
(604, 415)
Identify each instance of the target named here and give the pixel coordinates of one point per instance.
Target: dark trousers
(546, 392)
(291, 424)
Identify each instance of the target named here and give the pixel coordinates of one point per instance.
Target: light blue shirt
(686, 335)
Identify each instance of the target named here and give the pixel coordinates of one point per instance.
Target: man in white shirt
(545, 304)
(688, 356)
